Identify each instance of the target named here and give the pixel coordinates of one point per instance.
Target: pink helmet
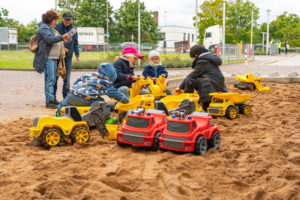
(132, 50)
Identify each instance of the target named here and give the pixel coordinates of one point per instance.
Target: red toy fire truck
(192, 133)
(142, 128)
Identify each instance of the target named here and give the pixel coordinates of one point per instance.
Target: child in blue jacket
(154, 69)
(90, 87)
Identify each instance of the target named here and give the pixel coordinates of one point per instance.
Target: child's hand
(134, 77)
(153, 78)
(66, 50)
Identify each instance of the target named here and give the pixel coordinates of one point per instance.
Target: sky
(171, 12)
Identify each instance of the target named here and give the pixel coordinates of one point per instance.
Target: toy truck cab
(192, 133)
(142, 128)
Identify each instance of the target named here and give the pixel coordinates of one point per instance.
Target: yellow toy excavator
(250, 82)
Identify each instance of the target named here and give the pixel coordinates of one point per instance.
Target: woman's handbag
(61, 68)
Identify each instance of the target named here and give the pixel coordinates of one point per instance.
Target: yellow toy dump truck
(229, 104)
(72, 127)
(250, 82)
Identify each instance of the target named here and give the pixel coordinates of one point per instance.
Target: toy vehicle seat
(73, 113)
(161, 106)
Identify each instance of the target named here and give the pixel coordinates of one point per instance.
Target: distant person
(206, 76)
(155, 68)
(124, 66)
(72, 47)
(165, 46)
(50, 49)
(286, 47)
(91, 87)
(279, 46)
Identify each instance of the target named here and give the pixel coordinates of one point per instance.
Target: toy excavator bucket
(236, 98)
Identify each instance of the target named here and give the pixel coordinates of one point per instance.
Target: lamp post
(268, 45)
(196, 35)
(139, 30)
(223, 45)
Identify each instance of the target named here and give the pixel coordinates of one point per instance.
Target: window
(162, 36)
(178, 127)
(183, 36)
(192, 37)
(208, 35)
(137, 122)
(189, 37)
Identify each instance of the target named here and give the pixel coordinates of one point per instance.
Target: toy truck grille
(214, 110)
(134, 137)
(174, 142)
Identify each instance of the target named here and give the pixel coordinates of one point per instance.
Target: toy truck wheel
(250, 86)
(200, 146)
(236, 84)
(231, 112)
(245, 109)
(51, 138)
(155, 145)
(215, 141)
(81, 135)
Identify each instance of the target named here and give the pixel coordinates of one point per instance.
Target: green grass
(90, 60)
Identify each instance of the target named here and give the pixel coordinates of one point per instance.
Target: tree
(238, 19)
(70, 6)
(127, 23)
(25, 32)
(6, 21)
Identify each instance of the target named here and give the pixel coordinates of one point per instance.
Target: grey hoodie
(46, 36)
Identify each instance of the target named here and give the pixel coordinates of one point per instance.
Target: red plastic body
(142, 136)
(185, 142)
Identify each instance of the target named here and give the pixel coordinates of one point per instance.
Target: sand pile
(259, 158)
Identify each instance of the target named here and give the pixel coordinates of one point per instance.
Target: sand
(259, 158)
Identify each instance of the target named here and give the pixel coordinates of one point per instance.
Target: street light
(268, 45)
(139, 30)
(223, 49)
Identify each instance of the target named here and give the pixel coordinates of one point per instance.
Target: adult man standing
(72, 46)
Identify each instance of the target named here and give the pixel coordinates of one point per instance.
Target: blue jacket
(46, 36)
(94, 85)
(73, 45)
(124, 72)
(151, 72)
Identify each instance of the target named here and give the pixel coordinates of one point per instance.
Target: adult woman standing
(48, 53)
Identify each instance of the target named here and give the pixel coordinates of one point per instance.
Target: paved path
(22, 92)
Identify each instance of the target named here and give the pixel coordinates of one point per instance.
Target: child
(91, 86)
(124, 66)
(206, 76)
(154, 69)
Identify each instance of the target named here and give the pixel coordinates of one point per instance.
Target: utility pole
(251, 30)
(267, 51)
(139, 30)
(263, 41)
(107, 21)
(196, 35)
(55, 5)
(223, 49)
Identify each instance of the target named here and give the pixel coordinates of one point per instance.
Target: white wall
(176, 34)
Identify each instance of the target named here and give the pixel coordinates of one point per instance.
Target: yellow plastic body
(223, 100)
(112, 130)
(250, 78)
(146, 100)
(159, 89)
(172, 102)
(82, 110)
(138, 86)
(64, 124)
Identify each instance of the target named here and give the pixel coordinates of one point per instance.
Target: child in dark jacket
(90, 88)
(206, 76)
(125, 70)
(154, 69)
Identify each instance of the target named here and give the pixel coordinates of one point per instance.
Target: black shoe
(56, 102)
(51, 105)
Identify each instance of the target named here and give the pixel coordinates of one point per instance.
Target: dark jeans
(203, 86)
(66, 86)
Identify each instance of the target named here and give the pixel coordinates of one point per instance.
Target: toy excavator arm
(96, 115)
